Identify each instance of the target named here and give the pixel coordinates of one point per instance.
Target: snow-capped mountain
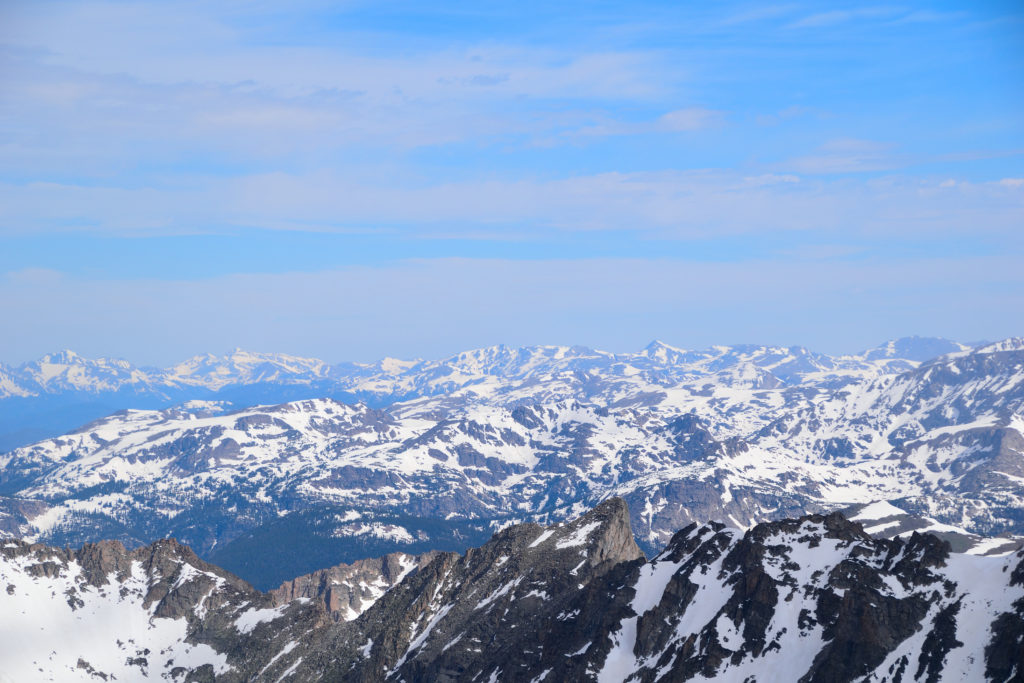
(67, 371)
(61, 391)
(680, 443)
(810, 599)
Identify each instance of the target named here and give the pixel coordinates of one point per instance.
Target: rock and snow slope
(105, 613)
(807, 599)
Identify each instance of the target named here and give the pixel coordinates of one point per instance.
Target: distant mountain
(740, 434)
(809, 599)
(62, 391)
(914, 348)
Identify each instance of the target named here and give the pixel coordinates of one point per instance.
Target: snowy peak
(665, 354)
(913, 348)
(1011, 344)
(393, 366)
(884, 520)
(67, 371)
(348, 590)
(245, 367)
(946, 439)
(516, 363)
(63, 357)
(603, 535)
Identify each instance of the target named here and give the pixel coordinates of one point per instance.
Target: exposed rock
(347, 590)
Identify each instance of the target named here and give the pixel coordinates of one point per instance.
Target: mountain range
(64, 390)
(452, 450)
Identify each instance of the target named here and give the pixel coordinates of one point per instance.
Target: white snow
(877, 510)
(41, 636)
(251, 618)
(290, 670)
(543, 537)
(620, 662)
(498, 593)
(578, 537)
(285, 650)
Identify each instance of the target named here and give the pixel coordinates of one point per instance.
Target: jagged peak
(657, 345)
(64, 357)
(604, 532)
(71, 357)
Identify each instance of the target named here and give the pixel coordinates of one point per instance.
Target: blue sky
(352, 180)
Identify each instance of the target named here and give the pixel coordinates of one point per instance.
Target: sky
(354, 180)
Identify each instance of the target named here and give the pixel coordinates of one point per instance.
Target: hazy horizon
(220, 353)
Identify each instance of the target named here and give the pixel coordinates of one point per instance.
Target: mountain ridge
(67, 370)
(813, 598)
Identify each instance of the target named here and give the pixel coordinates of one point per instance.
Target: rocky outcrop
(348, 590)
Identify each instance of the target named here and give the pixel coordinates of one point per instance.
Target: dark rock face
(814, 598)
(810, 599)
(1004, 655)
(347, 590)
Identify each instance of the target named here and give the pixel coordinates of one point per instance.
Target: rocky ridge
(809, 599)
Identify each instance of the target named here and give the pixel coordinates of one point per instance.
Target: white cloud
(843, 16)
(759, 14)
(677, 121)
(107, 88)
(847, 155)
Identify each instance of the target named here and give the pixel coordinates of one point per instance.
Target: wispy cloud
(843, 16)
(759, 14)
(676, 121)
(669, 204)
(103, 88)
(539, 123)
(847, 156)
(787, 114)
